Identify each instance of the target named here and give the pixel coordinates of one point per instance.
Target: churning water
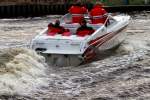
(122, 75)
(22, 72)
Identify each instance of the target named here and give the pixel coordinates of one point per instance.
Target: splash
(130, 46)
(22, 72)
(135, 43)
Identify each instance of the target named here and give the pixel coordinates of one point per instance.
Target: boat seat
(71, 25)
(66, 34)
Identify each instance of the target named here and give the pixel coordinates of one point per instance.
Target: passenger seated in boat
(54, 29)
(84, 30)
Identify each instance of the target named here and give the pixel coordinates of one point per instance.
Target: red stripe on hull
(90, 52)
(101, 40)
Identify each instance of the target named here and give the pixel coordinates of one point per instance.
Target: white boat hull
(73, 50)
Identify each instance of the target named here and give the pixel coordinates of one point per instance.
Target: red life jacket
(77, 13)
(97, 15)
(53, 30)
(85, 32)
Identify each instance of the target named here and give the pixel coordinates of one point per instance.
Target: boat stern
(51, 45)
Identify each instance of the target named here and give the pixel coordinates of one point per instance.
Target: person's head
(77, 4)
(50, 24)
(83, 22)
(57, 23)
(98, 4)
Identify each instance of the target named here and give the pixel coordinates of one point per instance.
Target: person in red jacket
(98, 14)
(55, 28)
(77, 11)
(84, 30)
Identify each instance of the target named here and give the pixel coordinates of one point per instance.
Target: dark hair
(57, 23)
(50, 24)
(77, 4)
(83, 21)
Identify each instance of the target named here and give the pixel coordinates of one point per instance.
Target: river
(121, 74)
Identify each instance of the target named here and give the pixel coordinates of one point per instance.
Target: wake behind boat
(73, 49)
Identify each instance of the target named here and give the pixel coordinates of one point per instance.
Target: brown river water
(120, 74)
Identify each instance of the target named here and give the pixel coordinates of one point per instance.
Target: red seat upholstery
(66, 34)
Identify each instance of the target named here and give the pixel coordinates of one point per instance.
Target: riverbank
(31, 10)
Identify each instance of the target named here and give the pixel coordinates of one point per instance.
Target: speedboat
(72, 50)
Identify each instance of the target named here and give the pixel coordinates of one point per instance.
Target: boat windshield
(66, 18)
(109, 21)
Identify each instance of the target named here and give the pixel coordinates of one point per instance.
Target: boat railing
(109, 20)
(106, 21)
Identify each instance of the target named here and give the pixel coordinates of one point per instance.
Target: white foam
(134, 44)
(24, 74)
